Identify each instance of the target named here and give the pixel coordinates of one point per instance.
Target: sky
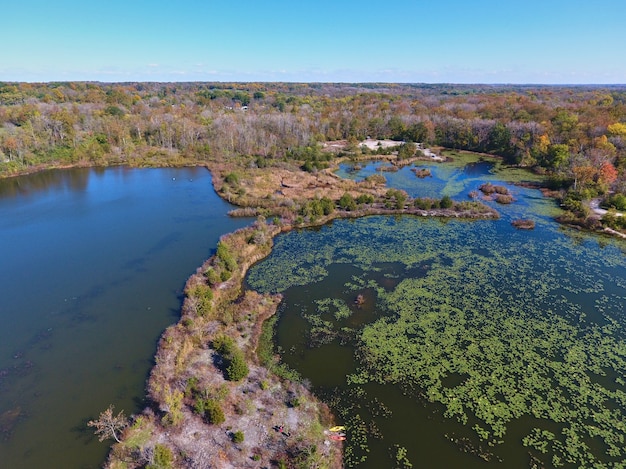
(402, 41)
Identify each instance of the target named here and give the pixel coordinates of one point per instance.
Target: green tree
(557, 155)
(364, 199)
(417, 133)
(225, 257)
(499, 140)
(328, 206)
(237, 369)
(446, 202)
(234, 367)
(407, 150)
(211, 410)
(347, 202)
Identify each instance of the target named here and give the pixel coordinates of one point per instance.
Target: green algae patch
(518, 338)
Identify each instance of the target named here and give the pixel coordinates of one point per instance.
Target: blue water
(93, 262)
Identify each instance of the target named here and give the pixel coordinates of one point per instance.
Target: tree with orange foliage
(607, 174)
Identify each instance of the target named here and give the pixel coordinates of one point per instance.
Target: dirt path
(594, 205)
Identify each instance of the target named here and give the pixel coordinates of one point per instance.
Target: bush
(425, 203)
(232, 179)
(225, 257)
(446, 202)
(504, 199)
(406, 150)
(211, 410)
(237, 437)
(397, 197)
(613, 221)
(364, 199)
(347, 202)
(616, 201)
(204, 296)
(328, 206)
(523, 224)
(212, 276)
(237, 368)
(162, 458)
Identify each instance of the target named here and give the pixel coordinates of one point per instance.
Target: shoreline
(176, 353)
(193, 342)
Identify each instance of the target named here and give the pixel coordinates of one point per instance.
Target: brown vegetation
(270, 160)
(186, 379)
(421, 173)
(523, 224)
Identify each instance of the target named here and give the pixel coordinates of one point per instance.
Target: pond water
(93, 266)
(453, 343)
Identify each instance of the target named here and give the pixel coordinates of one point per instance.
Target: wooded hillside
(577, 134)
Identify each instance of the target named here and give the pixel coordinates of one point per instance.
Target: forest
(576, 135)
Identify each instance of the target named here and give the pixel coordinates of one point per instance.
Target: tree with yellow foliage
(617, 129)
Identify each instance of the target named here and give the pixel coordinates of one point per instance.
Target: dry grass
(523, 224)
(254, 405)
(188, 367)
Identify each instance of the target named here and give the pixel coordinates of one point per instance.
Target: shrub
(162, 458)
(232, 179)
(174, 405)
(347, 202)
(328, 206)
(424, 203)
(523, 224)
(613, 221)
(204, 295)
(446, 202)
(225, 257)
(224, 344)
(616, 201)
(406, 150)
(504, 199)
(489, 188)
(237, 368)
(211, 410)
(364, 199)
(398, 197)
(237, 437)
(212, 276)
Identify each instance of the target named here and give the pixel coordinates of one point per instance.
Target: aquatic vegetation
(500, 327)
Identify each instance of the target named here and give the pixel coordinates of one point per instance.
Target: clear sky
(434, 41)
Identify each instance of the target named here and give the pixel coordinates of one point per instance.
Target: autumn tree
(617, 129)
(108, 425)
(607, 174)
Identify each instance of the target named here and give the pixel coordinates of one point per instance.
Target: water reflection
(38, 184)
(93, 264)
(518, 302)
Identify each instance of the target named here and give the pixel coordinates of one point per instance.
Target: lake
(446, 343)
(93, 266)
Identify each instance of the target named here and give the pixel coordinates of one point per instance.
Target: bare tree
(108, 425)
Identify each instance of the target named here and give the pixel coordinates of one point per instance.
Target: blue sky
(452, 41)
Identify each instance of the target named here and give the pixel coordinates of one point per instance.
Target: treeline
(577, 134)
